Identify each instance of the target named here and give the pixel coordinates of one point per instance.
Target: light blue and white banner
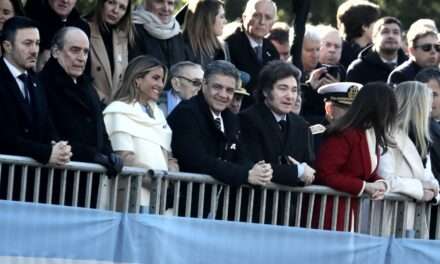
(31, 233)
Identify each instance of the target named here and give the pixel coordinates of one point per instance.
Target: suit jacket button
(26, 130)
(98, 68)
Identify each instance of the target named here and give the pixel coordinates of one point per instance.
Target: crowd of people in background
(132, 86)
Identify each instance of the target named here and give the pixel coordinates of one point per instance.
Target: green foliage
(324, 11)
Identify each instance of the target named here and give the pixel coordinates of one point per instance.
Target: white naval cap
(340, 92)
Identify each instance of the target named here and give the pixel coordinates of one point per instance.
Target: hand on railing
(61, 153)
(431, 186)
(309, 172)
(260, 174)
(112, 162)
(376, 189)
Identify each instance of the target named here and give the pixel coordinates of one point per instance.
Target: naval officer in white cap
(337, 99)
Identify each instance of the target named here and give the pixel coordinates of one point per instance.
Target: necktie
(283, 125)
(259, 52)
(283, 129)
(26, 86)
(218, 123)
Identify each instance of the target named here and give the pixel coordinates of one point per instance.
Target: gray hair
(222, 67)
(250, 6)
(312, 33)
(177, 68)
(59, 38)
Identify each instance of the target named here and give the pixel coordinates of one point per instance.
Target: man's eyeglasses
(196, 83)
(428, 47)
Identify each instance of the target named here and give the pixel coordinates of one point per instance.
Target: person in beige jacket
(111, 35)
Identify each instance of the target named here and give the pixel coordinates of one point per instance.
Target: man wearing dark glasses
(184, 81)
(424, 51)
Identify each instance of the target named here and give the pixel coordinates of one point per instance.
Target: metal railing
(76, 184)
(196, 195)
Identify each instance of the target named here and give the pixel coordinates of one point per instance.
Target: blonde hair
(137, 68)
(414, 102)
(420, 29)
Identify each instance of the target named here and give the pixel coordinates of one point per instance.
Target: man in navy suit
(248, 47)
(26, 128)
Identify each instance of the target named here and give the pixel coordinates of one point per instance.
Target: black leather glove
(112, 162)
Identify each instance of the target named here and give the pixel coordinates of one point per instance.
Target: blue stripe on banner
(55, 232)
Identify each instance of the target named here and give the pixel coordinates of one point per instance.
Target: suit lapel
(267, 55)
(12, 86)
(270, 128)
(251, 51)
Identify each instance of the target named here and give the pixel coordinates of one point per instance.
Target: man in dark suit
(248, 48)
(206, 133)
(424, 52)
(26, 129)
(271, 132)
(74, 104)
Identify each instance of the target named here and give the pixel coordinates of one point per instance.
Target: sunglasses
(196, 83)
(428, 47)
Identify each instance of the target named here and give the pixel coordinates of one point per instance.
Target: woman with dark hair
(111, 36)
(349, 156)
(8, 9)
(136, 126)
(202, 29)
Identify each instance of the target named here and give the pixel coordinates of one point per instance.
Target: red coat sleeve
(336, 164)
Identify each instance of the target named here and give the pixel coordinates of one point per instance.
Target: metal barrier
(76, 184)
(196, 195)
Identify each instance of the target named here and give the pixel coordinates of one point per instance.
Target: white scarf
(154, 25)
(131, 119)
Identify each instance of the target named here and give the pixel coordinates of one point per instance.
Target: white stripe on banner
(25, 260)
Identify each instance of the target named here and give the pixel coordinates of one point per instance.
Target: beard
(389, 50)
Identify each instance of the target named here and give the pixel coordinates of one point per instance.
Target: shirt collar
(214, 115)
(254, 43)
(15, 72)
(278, 117)
(389, 61)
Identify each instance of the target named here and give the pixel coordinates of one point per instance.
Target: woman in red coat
(347, 160)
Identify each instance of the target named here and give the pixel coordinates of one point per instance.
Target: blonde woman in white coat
(136, 126)
(407, 166)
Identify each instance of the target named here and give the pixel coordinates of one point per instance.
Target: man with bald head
(73, 103)
(248, 47)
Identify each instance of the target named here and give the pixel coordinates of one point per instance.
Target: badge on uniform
(317, 129)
